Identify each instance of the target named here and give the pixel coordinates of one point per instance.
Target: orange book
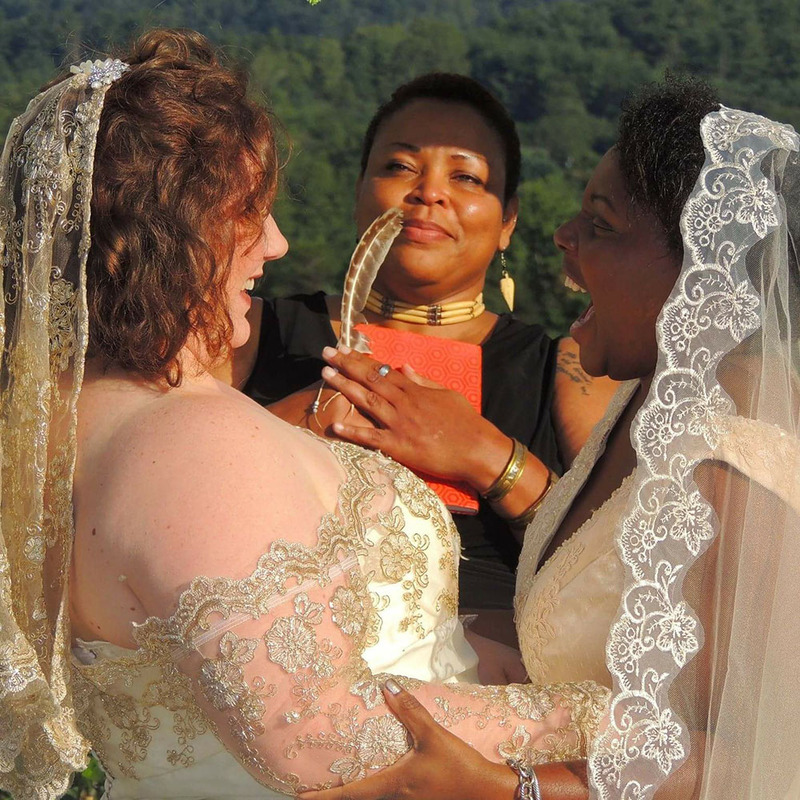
(456, 365)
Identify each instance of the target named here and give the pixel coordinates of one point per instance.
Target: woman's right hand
(429, 428)
(417, 422)
(438, 765)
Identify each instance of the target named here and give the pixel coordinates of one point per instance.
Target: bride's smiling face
(247, 266)
(618, 253)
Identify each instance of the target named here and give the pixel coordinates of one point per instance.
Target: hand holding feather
(365, 262)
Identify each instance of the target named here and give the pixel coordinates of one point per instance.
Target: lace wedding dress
(275, 680)
(565, 610)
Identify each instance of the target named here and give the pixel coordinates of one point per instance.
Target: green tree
(533, 258)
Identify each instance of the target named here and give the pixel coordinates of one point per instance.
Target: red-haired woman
(237, 589)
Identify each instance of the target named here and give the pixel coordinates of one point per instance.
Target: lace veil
(45, 191)
(705, 649)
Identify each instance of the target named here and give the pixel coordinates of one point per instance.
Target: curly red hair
(184, 162)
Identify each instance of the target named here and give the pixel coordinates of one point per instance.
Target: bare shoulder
(198, 484)
(225, 457)
(202, 431)
(579, 401)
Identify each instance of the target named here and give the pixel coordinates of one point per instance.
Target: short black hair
(660, 148)
(452, 88)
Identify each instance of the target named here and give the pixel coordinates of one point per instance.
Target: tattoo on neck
(568, 364)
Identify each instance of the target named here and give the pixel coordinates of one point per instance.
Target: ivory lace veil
(705, 649)
(45, 190)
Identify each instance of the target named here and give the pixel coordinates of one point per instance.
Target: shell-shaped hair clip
(100, 73)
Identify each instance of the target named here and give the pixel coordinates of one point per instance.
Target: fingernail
(393, 686)
(344, 350)
(329, 372)
(328, 352)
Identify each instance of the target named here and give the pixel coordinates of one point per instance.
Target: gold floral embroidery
(369, 686)
(188, 726)
(62, 330)
(500, 704)
(422, 501)
(295, 646)
(587, 703)
(136, 723)
(301, 645)
(222, 679)
(583, 704)
(291, 643)
(376, 743)
(380, 742)
(93, 725)
(400, 556)
(448, 602)
(347, 611)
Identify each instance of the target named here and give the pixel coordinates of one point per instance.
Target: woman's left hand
(333, 406)
(418, 422)
(438, 765)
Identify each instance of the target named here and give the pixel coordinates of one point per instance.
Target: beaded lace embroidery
(278, 674)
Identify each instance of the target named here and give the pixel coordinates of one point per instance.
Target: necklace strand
(442, 314)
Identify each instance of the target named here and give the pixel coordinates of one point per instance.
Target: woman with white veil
(708, 635)
(208, 597)
(694, 478)
(175, 694)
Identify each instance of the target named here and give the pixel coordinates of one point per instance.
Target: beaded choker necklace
(444, 314)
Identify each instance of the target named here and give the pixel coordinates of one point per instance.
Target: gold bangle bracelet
(509, 476)
(524, 519)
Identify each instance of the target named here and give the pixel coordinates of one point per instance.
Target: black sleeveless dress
(519, 363)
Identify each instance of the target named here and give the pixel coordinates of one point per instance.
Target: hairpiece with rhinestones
(100, 73)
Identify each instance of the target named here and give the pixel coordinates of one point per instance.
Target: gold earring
(506, 282)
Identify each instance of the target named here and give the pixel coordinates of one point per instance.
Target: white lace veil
(45, 191)
(706, 647)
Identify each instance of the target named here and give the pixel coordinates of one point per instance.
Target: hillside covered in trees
(561, 66)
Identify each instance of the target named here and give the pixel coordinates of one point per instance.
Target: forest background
(561, 66)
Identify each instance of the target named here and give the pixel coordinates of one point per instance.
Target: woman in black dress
(445, 151)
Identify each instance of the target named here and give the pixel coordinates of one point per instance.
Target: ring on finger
(384, 370)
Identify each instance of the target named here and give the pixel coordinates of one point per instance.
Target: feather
(367, 258)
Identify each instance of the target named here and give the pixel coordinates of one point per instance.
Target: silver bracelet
(528, 782)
